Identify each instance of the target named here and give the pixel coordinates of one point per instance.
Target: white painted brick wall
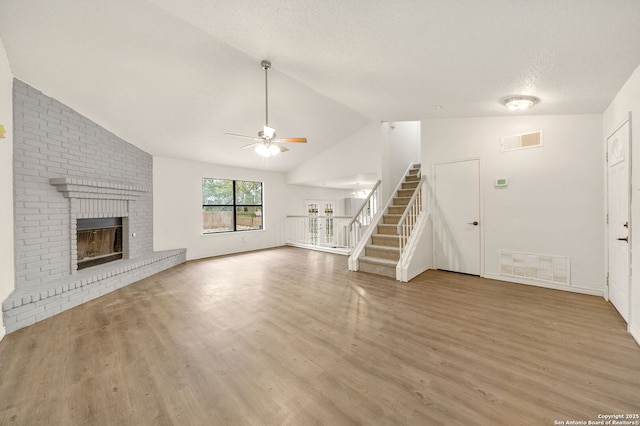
(53, 141)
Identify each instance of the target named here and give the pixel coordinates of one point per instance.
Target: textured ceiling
(171, 76)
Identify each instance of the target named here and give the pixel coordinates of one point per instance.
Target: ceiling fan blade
(243, 136)
(292, 140)
(250, 145)
(280, 147)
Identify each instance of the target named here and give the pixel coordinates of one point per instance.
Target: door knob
(624, 239)
(474, 223)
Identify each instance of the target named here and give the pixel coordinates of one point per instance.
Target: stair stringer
(417, 255)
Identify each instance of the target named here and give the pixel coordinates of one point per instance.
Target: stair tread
(379, 261)
(386, 236)
(379, 247)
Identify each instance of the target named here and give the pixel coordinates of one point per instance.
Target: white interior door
(457, 217)
(618, 234)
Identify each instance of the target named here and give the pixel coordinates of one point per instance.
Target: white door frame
(480, 206)
(606, 208)
(322, 204)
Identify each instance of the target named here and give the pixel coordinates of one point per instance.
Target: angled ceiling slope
(162, 84)
(397, 61)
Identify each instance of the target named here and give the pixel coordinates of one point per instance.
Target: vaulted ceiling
(172, 76)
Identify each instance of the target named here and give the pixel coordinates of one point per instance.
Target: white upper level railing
(365, 214)
(408, 220)
(318, 231)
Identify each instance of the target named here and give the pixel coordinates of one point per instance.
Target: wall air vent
(539, 267)
(522, 141)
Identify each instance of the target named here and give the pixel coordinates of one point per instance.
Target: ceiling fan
(267, 144)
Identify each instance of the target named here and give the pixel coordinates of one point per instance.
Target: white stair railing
(363, 217)
(412, 212)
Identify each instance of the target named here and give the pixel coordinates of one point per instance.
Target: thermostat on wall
(501, 182)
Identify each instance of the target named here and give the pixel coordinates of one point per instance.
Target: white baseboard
(334, 250)
(573, 289)
(635, 332)
(2, 333)
(416, 273)
(195, 255)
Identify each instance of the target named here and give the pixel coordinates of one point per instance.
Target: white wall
(358, 154)
(554, 203)
(177, 207)
(400, 147)
(6, 182)
(628, 100)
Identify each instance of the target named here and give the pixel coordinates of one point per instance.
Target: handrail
(365, 202)
(362, 219)
(409, 218)
(411, 201)
(414, 259)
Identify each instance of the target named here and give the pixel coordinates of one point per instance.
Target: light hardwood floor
(289, 336)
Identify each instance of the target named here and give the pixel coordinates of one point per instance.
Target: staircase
(382, 253)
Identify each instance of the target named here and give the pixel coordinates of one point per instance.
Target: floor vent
(525, 140)
(540, 267)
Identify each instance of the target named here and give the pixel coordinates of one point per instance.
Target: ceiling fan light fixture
(519, 103)
(269, 132)
(265, 150)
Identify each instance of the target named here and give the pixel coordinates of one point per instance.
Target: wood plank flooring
(289, 337)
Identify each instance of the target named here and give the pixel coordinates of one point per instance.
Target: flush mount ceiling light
(515, 103)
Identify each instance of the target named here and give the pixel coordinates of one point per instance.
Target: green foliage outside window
(217, 191)
(231, 205)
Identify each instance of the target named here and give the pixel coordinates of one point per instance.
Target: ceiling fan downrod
(265, 66)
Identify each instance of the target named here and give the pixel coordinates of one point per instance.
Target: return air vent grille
(522, 141)
(551, 269)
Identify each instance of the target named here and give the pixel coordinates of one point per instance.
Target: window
(231, 205)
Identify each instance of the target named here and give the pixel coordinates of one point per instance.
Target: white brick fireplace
(66, 167)
(90, 199)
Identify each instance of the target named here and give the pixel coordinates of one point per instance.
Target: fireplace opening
(99, 241)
